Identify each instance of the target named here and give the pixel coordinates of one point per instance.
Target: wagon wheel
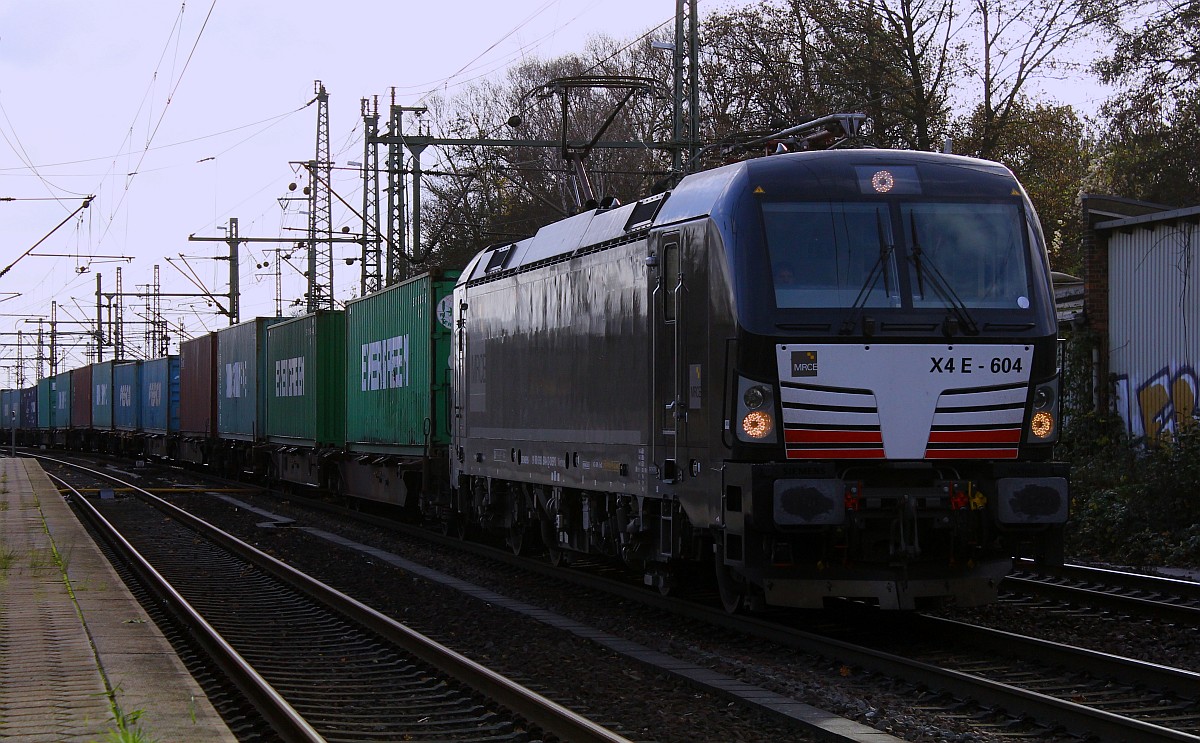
(731, 590)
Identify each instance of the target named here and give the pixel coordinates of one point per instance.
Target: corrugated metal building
(1144, 301)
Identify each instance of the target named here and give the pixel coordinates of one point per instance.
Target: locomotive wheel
(730, 589)
(518, 522)
(558, 557)
(556, 554)
(455, 526)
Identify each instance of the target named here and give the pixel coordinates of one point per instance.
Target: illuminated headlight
(754, 412)
(1043, 425)
(758, 424)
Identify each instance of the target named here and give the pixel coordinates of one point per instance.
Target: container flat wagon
(305, 398)
(397, 392)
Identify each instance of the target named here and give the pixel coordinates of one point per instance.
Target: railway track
(317, 664)
(1059, 686)
(1170, 599)
(1047, 687)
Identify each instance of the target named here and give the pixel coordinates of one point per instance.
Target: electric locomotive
(829, 374)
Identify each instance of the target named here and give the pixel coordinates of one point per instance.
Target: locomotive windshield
(978, 249)
(826, 254)
(915, 255)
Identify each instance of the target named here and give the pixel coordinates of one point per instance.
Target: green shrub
(1134, 502)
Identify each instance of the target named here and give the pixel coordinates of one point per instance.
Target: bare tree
(901, 59)
(486, 195)
(1022, 41)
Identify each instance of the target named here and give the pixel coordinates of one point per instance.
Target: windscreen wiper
(927, 270)
(877, 270)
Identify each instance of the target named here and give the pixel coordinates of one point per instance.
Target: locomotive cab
(893, 391)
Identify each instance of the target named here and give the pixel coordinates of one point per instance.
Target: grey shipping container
(127, 408)
(198, 386)
(242, 379)
(159, 395)
(102, 395)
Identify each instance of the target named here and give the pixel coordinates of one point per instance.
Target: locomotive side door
(666, 411)
(679, 346)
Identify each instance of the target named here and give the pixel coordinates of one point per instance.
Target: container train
(821, 375)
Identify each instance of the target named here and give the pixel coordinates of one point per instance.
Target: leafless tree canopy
(925, 71)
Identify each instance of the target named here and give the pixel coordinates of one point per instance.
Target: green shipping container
(45, 403)
(398, 367)
(306, 373)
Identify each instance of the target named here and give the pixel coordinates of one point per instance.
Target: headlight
(1042, 398)
(1043, 424)
(758, 424)
(755, 397)
(754, 412)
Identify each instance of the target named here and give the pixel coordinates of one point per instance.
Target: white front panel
(903, 401)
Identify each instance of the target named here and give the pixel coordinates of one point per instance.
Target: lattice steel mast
(685, 129)
(372, 258)
(320, 214)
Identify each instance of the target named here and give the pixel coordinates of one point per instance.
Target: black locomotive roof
(828, 174)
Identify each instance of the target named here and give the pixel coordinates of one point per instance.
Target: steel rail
(1045, 708)
(282, 716)
(536, 709)
(1170, 598)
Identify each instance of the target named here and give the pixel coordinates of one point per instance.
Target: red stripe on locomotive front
(800, 436)
(996, 436)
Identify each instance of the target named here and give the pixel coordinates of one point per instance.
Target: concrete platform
(79, 659)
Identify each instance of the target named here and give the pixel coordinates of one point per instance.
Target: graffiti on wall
(1167, 401)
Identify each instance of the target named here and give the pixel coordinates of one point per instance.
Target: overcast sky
(177, 116)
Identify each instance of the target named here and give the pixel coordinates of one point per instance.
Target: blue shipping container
(102, 395)
(127, 408)
(160, 395)
(29, 408)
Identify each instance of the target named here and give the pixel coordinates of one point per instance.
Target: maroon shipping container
(197, 386)
(81, 398)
